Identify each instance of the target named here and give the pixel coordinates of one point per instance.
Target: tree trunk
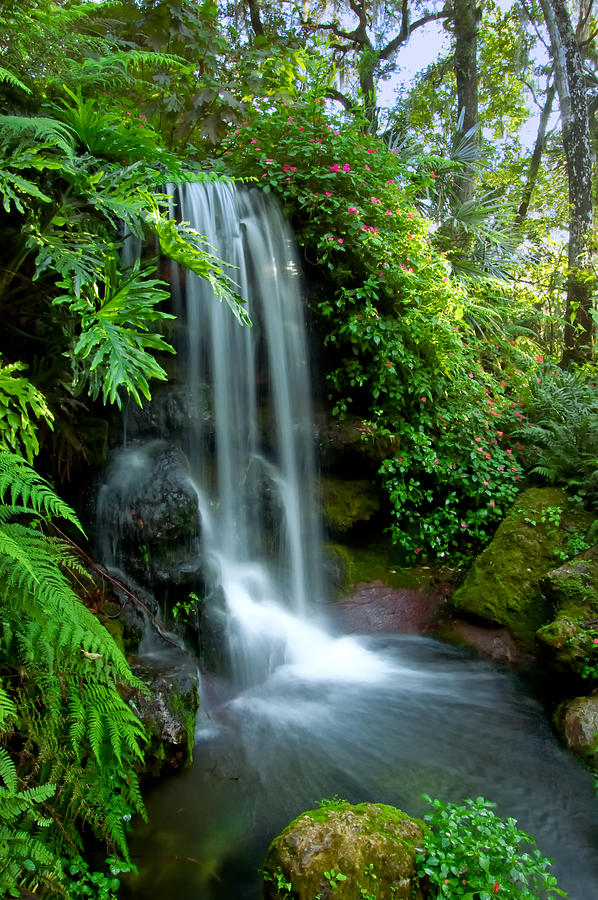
(465, 27)
(571, 88)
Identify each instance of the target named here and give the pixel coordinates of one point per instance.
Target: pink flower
(423, 399)
(367, 167)
(335, 168)
(595, 641)
(417, 549)
(353, 210)
(346, 167)
(340, 240)
(143, 118)
(328, 194)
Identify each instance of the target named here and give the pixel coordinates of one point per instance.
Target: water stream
(304, 712)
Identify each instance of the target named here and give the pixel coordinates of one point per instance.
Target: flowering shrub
(401, 354)
(471, 853)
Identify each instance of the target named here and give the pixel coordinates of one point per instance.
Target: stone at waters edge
(371, 846)
(168, 713)
(503, 585)
(577, 721)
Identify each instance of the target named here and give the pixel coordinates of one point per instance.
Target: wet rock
(577, 722)
(494, 643)
(173, 411)
(346, 852)
(503, 585)
(148, 516)
(376, 607)
(168, 712)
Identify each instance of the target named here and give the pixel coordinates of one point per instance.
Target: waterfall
(304, 714)
(258, 498)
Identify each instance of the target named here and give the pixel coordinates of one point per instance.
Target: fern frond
(22, 483)
(8, 710)
(8, 772)
(37, 128)
(7, 77)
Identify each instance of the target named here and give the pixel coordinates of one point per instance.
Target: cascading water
(259, 508)
(307, 713)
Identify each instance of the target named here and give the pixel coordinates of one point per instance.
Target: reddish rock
(375, 607)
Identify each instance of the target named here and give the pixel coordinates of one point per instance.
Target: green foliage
(560, 444)
(20, 404)
(405, 348)
(60, 711)
(471, 853)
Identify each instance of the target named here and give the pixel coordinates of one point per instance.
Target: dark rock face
(168, 713)
(148, 514)
(345, 851)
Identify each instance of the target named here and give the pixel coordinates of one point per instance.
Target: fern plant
(61, 714)
(561, 443)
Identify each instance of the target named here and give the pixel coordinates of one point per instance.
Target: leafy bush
(471, 853)
(402, 355)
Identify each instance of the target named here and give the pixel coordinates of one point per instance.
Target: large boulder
(347, 852)
(503, 585)
(573, 590)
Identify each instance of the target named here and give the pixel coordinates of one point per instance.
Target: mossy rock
(377, 561)
(346, 852)
(573, 590)
(577, 722)
(345, 503)
(503, 585)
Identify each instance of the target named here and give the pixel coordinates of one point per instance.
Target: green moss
(503, 585)
(371, 846)
(185, 707)
(115, 628)
(573, 591)
(375, 562)
(345, 503)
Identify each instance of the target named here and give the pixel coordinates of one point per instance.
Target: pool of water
(381, 719)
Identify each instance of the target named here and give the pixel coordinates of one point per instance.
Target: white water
(259, 507)
(306, 713)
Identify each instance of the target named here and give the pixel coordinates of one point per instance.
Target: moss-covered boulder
(577, 722)
(573, 590)
(347, 852)
(345, 503)
(503, 585)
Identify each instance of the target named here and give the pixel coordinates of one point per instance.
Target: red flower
(496, 887)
